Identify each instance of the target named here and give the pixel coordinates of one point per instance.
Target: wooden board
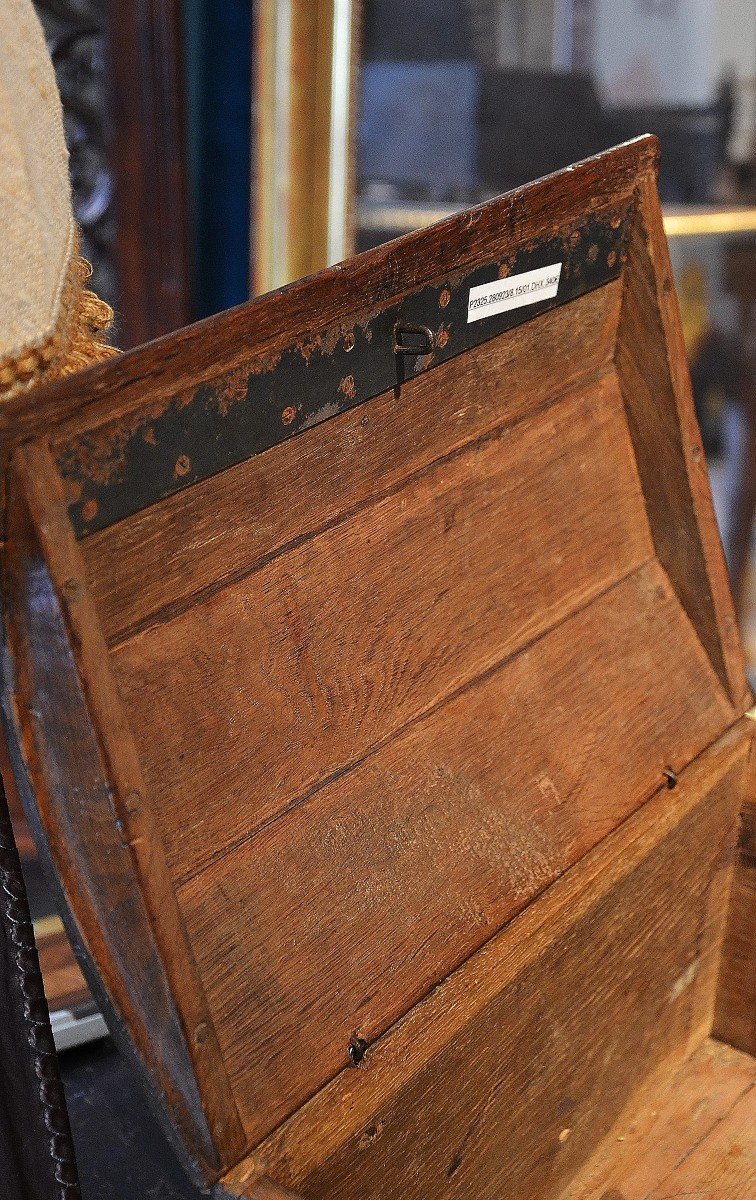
(362, 629)
(325, 661)
(74, 742)
(693, 1134)
(151, 565)
(368, 895)
(650, 361)
(551, 1027)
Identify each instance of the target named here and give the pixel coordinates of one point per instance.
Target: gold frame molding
(303, 214)
(678, 222)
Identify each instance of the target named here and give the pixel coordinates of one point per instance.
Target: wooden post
(144, 55)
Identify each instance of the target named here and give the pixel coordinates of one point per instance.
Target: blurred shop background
(221, 148)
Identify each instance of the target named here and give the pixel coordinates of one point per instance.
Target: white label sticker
(513, 292)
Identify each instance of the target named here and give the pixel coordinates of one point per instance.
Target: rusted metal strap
(120, 468)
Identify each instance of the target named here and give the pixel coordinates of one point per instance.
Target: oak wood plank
(21, 833)
(249, 700)
(335, 919)
(152, 564)
(242, 337)
(695, 461)
(115, 863)
(654, 378)
(723, 1165)
(677, 1114)
(550, 1027)
(55, 752)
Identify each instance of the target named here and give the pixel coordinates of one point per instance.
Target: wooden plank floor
(693, 1137)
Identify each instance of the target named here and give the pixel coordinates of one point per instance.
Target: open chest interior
(375, 689)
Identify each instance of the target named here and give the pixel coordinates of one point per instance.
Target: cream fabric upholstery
(37, 225)
(49, 324)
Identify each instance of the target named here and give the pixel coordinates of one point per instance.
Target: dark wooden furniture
(374, 685)
(148, 152)
(119, 71)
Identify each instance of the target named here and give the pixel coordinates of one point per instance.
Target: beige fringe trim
(78, 341)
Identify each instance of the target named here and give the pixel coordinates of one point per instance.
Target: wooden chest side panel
(251, 700)
(153, 564)
(335, 919)
(379, 684)
(652, 370)
(70, 742)
(505, 1078)
(736, 996)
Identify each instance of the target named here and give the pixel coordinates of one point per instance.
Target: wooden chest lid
(341, 625)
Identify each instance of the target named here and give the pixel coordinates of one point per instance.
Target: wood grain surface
(236, 340)
(75, 744)
(148, 566)
(716, 580)
(335, 919)
(361, 629)
(505, 1078)
(692, 1134)
(670, 461)
(359, 760)
(145, 80)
